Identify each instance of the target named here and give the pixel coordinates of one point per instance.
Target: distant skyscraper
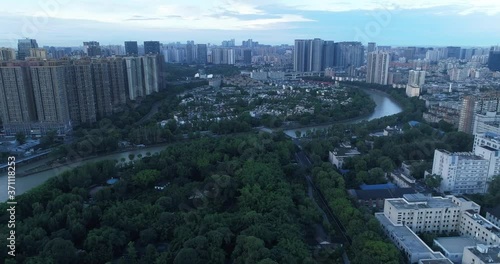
(92, 48)
(190, 53)
(7, 54)
(24, 46)
(409, 53)
(51, 100)
(152, 47)
(453, 52)
(202, 53)
(494, 60)
(371, 47)
(247, 56)
(378, 68)
(131, 48)
(16, 100)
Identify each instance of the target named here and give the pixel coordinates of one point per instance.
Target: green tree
(20, 138)
(433, 181)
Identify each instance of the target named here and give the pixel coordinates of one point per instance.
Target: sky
(386, 22)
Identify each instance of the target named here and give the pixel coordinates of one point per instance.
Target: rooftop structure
(481, 254)
(453, 247)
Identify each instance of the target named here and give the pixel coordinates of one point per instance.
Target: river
(385, 107)
(26, 183)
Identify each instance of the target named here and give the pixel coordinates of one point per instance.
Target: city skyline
(397, 23)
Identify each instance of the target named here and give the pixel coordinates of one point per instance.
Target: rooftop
(455, 245)
(420, 201)
(409, 239)
(490, 256)
(436, 261)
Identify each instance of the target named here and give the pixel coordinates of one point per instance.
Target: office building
(338, 156)
(472, 105)
(453, 52)
(131, 48)
(416, 78)
(16, 99)
(92, 48)
(462, 172)
(7, 54)
(49, 87)
(135, 77)
(493, 215)
(378, 68)
(202, 53)
(24, 46)
(152, 47)
(247, 56)
(494, 60)
(371, 47)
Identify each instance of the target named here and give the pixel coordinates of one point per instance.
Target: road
(321, 203)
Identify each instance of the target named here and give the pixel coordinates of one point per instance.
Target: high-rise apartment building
(300, 55)
(311, 55)
(24, 46)
(118, 79)
(51, 100)
(135, 77)
(150, 65)
(102, 88)
(152, 47)
(471, 105)
(38, 53)
(409, 53)
(92, 48)
(16, 99)
(85, 92)
(7, 54)
(349, 55)
(131, 48)
(378, 68)
(328, 54)
(416, 78)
